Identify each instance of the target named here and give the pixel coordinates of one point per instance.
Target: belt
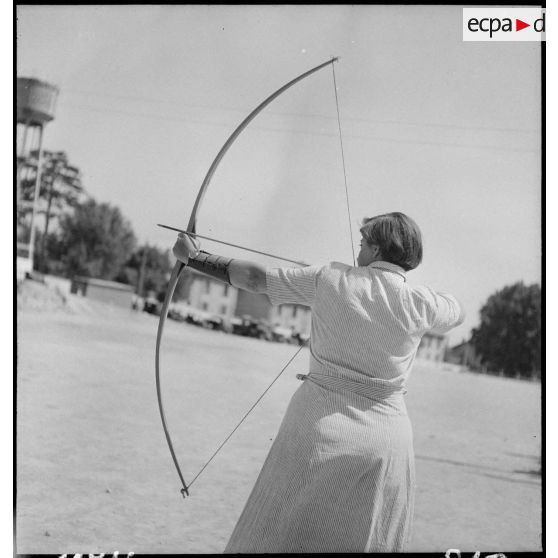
(371, 390)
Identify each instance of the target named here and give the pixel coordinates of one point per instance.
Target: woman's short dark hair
(397, 236)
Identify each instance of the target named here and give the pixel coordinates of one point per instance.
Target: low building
(212, 296)
(464, 354)
(255, 305)
(111, 292)
(432, 347)
(295, 317)
(227, 302)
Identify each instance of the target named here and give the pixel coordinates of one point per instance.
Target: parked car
(215, 322)
(282, 334)
(250, 327)
(193, 320)
(152, 306)
(175, 314)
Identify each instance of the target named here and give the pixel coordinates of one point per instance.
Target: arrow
(233, 245)
(519, 25)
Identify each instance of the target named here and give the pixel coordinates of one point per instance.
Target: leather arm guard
(214, 266)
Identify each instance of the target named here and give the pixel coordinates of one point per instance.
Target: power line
(310, 115)
(305, 132)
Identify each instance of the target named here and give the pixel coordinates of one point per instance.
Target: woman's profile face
(368, 253)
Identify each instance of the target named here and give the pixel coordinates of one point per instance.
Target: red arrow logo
(519, 25)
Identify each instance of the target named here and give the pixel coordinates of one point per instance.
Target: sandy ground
(94, 472)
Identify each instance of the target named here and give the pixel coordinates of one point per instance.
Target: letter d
(536, 24)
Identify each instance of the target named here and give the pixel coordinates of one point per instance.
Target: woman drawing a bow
(340, 475)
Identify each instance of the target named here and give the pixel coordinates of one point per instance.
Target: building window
(207, 285)
(204, 306)
(226, 291)
(295, 308)
(223, 309)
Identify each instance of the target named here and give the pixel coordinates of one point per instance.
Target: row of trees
(80, 236)
(83, 237)
(508, 338)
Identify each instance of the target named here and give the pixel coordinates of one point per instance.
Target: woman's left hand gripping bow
(186, 247)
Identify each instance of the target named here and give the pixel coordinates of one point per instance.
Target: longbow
(191, 228)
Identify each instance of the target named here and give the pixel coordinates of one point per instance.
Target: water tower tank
(36, 101)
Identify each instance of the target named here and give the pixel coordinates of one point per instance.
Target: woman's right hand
(185, 247)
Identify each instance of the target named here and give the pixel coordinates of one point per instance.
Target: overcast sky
(444, 130)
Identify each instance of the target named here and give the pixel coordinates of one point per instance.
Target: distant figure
(340, 474)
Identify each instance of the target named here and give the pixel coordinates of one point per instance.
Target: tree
(95, 241)
(60, 190)
(157, 268)
(147, 269)
(509, 336)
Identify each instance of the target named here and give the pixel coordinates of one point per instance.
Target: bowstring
(343, 161)
(245, 416)
(230, 435)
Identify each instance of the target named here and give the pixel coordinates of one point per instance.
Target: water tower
(36, 102)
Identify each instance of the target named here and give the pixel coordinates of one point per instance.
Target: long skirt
(339, 476)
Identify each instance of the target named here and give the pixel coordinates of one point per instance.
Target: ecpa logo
(504, 24)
